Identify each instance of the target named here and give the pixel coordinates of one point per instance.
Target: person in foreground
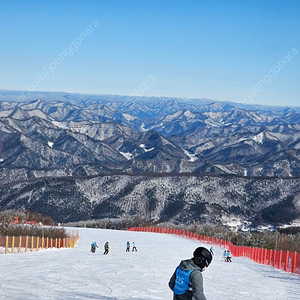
(187, 281)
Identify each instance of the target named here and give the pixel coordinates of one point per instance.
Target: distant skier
(212, 250)
(134, 247)
(93, 247)
(228, 256)
(106, 248)
(225, 255)
(187, 280)
(127, 247)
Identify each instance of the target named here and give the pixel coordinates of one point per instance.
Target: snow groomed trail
(79, 274)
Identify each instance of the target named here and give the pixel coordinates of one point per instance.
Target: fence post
(6, 244)
(77, 236)
(257, 255)
(274, 253)
(294, 262)
(261, 250)
(12, 244)
(261, 254)
(270, 257)
(265, 256)
(26, 243)
(280, 259)
(248, 251)
(254, 254)
(251, 253)
(286, 260)
(20, 244)
(32, 244)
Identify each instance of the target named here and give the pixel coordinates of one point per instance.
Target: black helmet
(202, 257)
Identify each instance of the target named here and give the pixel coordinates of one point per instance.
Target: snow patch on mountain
(38, 113)
(259, 138)
(5, 113)
(142, 127)
(144, 148)
(224, 168)
(204, 147)
(62, 125)
(192, 157)
(214, 115)
(189, 114)
(166, 142)
(295, 223)
(127, 155)
(235, 223)
(129, 117)
(173, 116)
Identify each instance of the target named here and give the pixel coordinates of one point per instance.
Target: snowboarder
(187, 281)
(134, 247)
(106, 248)
(127, 247)
(93, 247)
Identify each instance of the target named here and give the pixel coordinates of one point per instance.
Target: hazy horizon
(240, 51)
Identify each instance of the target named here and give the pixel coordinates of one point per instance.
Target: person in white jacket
(134, 247)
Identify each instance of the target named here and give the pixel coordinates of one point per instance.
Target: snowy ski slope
(67, 274)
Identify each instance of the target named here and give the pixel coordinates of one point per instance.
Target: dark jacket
(196, 282)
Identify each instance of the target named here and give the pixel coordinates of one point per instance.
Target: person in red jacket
(187, 281)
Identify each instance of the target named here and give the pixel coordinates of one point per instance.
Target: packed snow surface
(79, 274)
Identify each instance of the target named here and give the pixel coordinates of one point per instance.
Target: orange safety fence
(17, 244)
(282, 260)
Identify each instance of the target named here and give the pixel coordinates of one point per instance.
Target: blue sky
(241, 51)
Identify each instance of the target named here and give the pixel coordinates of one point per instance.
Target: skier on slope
(225, 255)
(187, 280)
(93, 247)
(127, 247)
(134, 247)
(228, 256)
(106, 248)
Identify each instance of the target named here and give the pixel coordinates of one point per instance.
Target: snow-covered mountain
(213, 138)
(68, 142)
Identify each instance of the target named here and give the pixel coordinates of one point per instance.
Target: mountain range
(79, 139)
